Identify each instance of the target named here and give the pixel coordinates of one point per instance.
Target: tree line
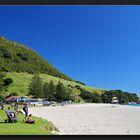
(50, 91)
(59, 93)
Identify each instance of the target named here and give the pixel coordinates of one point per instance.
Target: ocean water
(137, 105)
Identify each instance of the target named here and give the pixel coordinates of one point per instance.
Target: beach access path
(92, 119)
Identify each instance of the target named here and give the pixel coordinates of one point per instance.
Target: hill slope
(22, 81)
(15, 57)
(20, 63)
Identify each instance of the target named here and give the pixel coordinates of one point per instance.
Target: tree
(49, 91)
(135, 97)
(4, 83)
(74, 94)
(2, 88)
(46, 90)
(91, 97)
(35, 87)
(8, 81)
(108, 95)
(61, 93)
(87, 96)
(123, 99)
(52, 91)
(96, 98)
(105, 98)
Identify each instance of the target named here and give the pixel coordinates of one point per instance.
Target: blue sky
(98, 45)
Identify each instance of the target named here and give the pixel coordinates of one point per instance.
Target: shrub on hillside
(91, 97)
(8, 81)
(7, 55)
(22, 56)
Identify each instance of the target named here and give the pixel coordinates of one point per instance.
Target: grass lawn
(41, 126)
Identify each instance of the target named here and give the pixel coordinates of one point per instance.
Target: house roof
(11, 97)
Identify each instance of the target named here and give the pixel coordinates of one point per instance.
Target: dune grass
(22, 81)
(41, 126)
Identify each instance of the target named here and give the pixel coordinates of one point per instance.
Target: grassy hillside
(15, 57)
(22, 80)
(21, 62)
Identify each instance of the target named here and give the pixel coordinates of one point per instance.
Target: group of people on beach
(28, 118)
(24, 110)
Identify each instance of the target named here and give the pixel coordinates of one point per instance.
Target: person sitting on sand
(30, 120)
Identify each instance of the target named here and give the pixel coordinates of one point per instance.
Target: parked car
(66, 102)
(45, 103)
(52, 102)
(35, 102)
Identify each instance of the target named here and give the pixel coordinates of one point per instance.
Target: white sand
(92, 119)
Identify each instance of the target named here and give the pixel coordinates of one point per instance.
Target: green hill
(21, 82)
(20, 63)
(15, 57)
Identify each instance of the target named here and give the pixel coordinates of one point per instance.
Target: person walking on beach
(25, 109)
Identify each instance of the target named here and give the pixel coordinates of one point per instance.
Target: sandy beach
(92, 119)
